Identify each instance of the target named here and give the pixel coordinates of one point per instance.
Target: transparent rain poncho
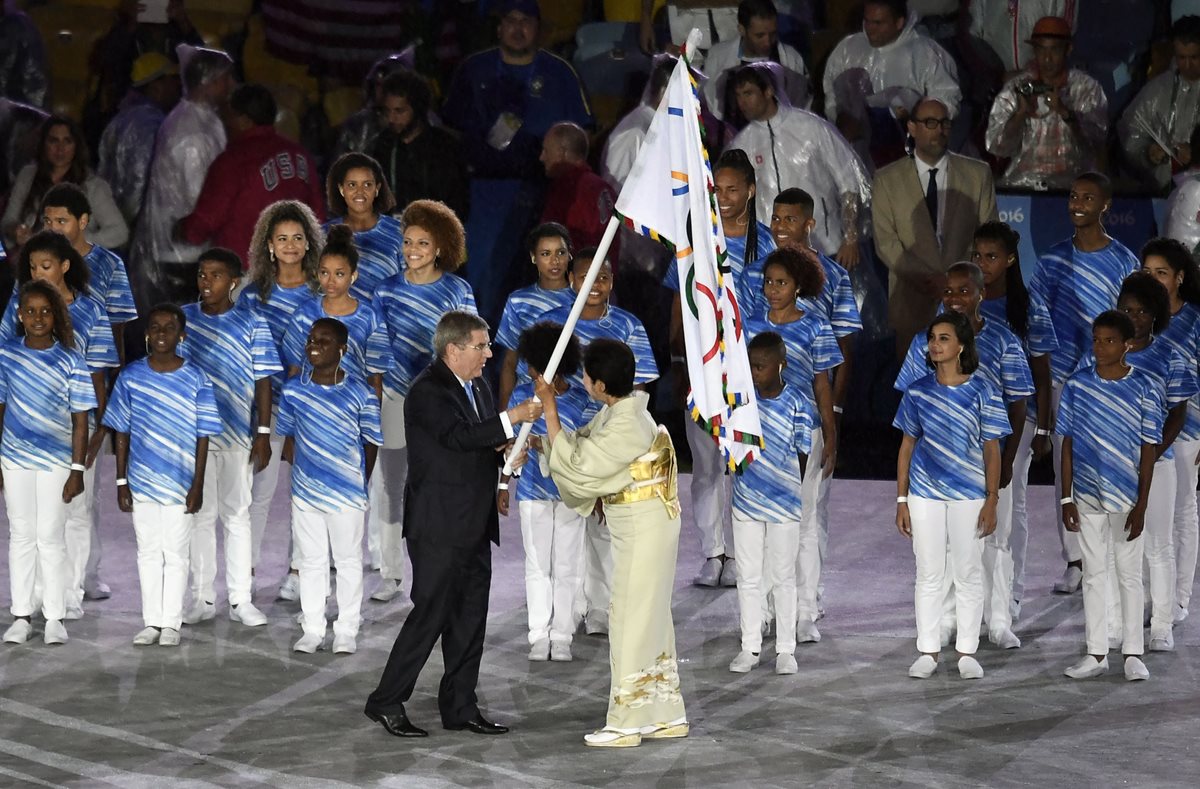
(126, 149)
(797, 148)
(358, 132)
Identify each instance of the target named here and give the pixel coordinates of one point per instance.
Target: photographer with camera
(1050, 121)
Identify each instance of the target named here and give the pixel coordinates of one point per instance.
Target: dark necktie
(931, 198)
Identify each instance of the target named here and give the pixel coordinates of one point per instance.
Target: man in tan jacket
(925, 212)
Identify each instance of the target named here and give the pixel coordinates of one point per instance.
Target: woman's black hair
(612, 362)
(536, 346)
(1181, 261)
(1016, 295)
(167, 308)
(340, 332)
(63, 330)
(1115, 319)
(968, 358)
(769, 341)
(808, 276)
(226, 257)
(547, 230)
(76, 174)
(736, 159)
(76, 276)
(340, 242)
(1142, 287)
(385, 201)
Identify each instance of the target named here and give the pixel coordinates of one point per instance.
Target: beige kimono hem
(592, 463)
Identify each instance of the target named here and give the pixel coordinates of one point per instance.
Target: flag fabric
(669, 197)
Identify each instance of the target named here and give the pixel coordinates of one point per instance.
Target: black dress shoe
(396, 724)
(478, 725)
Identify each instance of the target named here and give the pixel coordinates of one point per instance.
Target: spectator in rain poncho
(1165, 112)
(189, 140)
(758, 40)
(1183, 206)
(1006, 27)
(1049, 120)
(873, 77)
(24, 76)
(128, 141)
(19, 124)
(625, 140)
(790, 147)
(360, 131)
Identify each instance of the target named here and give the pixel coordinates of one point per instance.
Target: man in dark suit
(450, 516)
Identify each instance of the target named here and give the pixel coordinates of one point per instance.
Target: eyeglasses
(933, 123)
(481, 347)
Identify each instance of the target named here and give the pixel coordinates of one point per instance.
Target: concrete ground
(235, 707)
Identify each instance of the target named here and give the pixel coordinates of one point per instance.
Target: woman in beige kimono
(624, 460)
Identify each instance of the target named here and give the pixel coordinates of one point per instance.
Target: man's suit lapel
(450, 381)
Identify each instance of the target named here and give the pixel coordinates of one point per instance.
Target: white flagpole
(568, 328)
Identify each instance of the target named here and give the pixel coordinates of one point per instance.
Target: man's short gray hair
(456, 327)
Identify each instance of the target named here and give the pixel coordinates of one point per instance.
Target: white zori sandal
(666, 731)
(614, 738)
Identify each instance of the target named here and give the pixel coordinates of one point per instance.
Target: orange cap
(1051, 27)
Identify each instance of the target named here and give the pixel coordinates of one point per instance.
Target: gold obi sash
(654, 477)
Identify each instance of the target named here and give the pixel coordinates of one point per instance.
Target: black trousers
(450, 589)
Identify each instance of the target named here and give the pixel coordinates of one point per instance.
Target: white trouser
(37, 547)
(1071, 551)
(766, 561)
(262, 492)
(81, 524)
(163, 532)
(552, 534)
(1019, 541)
(712, 491)
(1102, 534)
(228, 480)
(385, 515)
(596, 591)
(814, 531)
(317, 534)
(998, 567)
(936, 525)
(1159, 547)
(1186, 531)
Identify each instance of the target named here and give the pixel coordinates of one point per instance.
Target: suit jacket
(904, 235)
(453, 466)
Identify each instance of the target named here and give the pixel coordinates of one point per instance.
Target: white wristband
(1041, 432)
(837, 409)
(122, 482)
(1066, 500)
(502, 486)
(78, 467)
(902, 499)
(264, 430)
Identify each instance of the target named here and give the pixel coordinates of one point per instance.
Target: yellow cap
(151, 66)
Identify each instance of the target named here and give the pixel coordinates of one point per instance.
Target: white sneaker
(18, 632)
(743, 662)
(806, 632)
(1005, 639)
(388, 588)
(969, 668)
(55, 633)
(1162, 642)
(1181, 613)
(146, 636)
(1087, 668)
(290, 588)
(344, 645)
(539, 651)
(729, 572)
(710, 573)
(785, 663)
(308, 644)
(596, 623)
(1135, 669)
(200, 611)
(247, 614)
(169, 637)
(1072, 577)
(560, 652)
(97, 590)
(73, 612)
(923, 667)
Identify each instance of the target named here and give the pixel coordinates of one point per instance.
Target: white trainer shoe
(785, 663)
(1087, 667)
(1005, 639)
(1162, 642)
(595, 623)
(388, 588)
(146, 636)
(344, 645)
(18, 632)
(923, 667)
(710, 573)
(200, 611)
(73, 612)
(1072, 577)
(539, 651)
(806, 632)
(308, 644)
(55, 632)
(1135, 669)
(560, 652)
(743, 662)
(247, 614)
(729, 572)
(169, 637)
(290, 588)
(969, 668)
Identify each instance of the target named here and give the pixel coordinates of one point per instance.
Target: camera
(1033, 88)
